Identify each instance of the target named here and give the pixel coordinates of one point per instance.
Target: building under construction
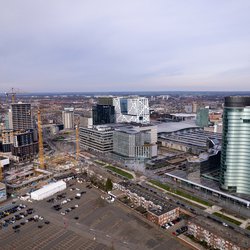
(20, 138)
(26, 176)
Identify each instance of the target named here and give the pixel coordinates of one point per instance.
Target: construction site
(28, 161)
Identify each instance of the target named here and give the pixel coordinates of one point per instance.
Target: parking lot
(90, 223)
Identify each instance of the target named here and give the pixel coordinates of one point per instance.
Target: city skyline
(120, 46)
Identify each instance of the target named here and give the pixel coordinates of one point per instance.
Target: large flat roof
(168, 127)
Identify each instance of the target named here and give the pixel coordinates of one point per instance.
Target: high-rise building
(235, 159)
(8, 120)
(68, 118)
(137, 142)
(21, 116)
(99, 138)
(194, 107)
(25, 145)
(131, 109)
(202, 117)
(103, 114)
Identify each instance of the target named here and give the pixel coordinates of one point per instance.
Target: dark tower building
(103, 114)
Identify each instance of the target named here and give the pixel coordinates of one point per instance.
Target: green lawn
(222, 216)
(161, 185)
(119, 171)
(181, 193)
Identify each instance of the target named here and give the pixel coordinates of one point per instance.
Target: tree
(109, 185)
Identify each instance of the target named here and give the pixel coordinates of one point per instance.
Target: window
(246, 120)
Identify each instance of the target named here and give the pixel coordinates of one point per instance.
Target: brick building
(162, 216)
(216, 235)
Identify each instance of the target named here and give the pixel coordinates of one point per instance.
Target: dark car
(16, 226)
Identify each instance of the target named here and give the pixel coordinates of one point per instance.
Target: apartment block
(216, 236)
(163, 215)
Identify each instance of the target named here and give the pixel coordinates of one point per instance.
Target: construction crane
(1, 172)
(77, 138)
(40, 139)
(13, 92)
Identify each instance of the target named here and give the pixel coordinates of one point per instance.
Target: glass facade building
(202, 118)
(235, 157)
(103, 114)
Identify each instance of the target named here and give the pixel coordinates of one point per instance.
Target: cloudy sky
(126, 45)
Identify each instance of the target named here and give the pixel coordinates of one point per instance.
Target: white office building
(131, 109)
(68, 118)
(137, 142)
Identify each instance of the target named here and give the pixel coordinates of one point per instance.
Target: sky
(124, 45)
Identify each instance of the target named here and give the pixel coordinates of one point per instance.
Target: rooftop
(168, 127)
(195, 137)
(163, 210)
(149, 196)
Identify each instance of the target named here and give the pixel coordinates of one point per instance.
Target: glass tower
(235, 157)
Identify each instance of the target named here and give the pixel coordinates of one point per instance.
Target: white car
(62, 213)
(76, 205)
(40, 218)
(77, 189)
(171, 223)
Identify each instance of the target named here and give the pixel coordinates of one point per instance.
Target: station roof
(168, 127)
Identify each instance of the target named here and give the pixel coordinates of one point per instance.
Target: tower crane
(77, 138)
(40, 139)
(13, 92)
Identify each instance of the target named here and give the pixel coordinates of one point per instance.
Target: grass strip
(180, 193)
(119, 171)
(222, 216)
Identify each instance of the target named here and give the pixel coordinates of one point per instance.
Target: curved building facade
(235, 157)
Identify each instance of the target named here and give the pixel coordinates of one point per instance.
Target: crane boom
(40, 139)
(77, 139)
(1, 172)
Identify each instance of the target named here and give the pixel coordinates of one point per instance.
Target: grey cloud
(129, 45)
